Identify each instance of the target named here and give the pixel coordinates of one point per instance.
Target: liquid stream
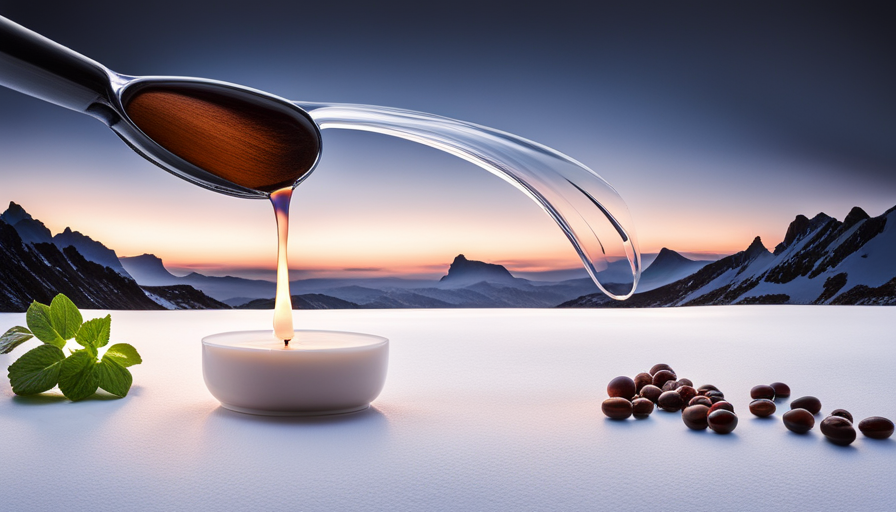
(283, 327)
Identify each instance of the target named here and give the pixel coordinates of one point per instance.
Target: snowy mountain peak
(819, 220)
(798, 227)
(756, 249)
(822, 261)
(854, 216)
(801, 226)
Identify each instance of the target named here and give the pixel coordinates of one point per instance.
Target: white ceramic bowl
(320, 372)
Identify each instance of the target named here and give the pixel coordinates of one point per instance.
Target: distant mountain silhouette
(307, 301)
(820, 261)
(30, 230)
(465, 272)
(14, 214)
(668, 267)
(33, 231)
(148, 270)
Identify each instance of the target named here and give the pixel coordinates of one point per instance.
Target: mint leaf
(80, 375)
(14, 337)
(65, 317)
(95, 333)
(123, 354)
(38, 319)
(37, 370)
(78, 378)
(87, 350)
(113, 377)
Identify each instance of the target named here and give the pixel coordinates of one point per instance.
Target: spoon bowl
(225, 137)
(228, 138)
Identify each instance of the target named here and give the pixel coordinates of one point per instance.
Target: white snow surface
(482, 410)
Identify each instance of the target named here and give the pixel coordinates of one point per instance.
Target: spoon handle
(34, 65)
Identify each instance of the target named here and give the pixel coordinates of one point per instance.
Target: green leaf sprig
(82, 372)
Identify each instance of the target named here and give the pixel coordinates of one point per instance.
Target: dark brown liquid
(250, 141)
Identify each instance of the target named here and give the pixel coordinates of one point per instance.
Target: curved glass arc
(590, 212)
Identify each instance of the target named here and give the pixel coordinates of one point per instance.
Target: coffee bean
(715, 396)
(658, 367)
(706, 387)
(762, 407)
(843, 413)
(616, 408)
(685, 382)
(762, 391)
(670, 385)
(722, 421)
(623, 387)
(687, 393)
(700, 400)
(641, 380)
(651, 392)
(809, 403)
(838, 430)
(695, 417)
(721, 405)
(781, 390)
(799, 420)
(642, 407)
(670, 401)
(661, 377)
(876, 427)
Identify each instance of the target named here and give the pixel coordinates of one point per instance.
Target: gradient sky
(715, 121)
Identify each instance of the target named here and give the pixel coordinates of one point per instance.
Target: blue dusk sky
(715, 121)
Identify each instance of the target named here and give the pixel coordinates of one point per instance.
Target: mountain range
(36, 265)
(821, 261)
(468, 284)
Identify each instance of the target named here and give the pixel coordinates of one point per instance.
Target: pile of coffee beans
(702, 407)
(705, 407)
(837, 427)
(708, 408)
